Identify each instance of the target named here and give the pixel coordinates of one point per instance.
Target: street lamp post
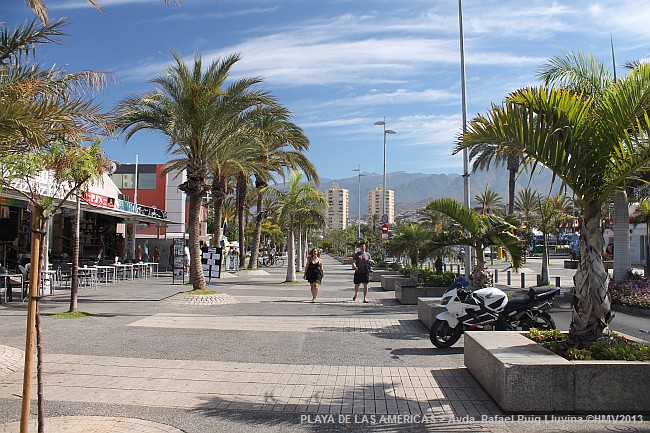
(466, 199)
(358, 169)
(383, 183)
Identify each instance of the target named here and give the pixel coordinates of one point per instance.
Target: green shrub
(608, 347)
(428, 276)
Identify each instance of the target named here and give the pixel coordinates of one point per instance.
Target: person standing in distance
(145, 251)
(361, 274)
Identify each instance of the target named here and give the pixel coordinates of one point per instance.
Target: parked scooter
(490, 309)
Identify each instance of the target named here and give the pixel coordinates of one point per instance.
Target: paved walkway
(256, 358)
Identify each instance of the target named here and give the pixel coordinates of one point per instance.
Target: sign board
(384, 228)
(211, 262)
(384, 218)
(178, 265)
(232, 262)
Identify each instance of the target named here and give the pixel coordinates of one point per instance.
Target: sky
(342, 65)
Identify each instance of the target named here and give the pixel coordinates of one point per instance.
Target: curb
(632, 311)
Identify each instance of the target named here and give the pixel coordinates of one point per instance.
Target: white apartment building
(337, 213)
(374, 204)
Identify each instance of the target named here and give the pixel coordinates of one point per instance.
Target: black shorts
(361, 278)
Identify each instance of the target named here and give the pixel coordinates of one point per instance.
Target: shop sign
(140, 209)
(99, 200)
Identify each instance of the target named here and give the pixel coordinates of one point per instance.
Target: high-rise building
(337, 213)
(374, 204)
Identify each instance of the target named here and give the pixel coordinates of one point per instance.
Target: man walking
(360, 264)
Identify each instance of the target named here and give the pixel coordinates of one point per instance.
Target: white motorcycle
(490, 309)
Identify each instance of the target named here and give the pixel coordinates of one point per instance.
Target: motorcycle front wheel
(442, 335)
(541, 321)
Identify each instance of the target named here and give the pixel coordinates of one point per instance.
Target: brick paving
(210, 299)
(408, 325)
(11, 359)
(258, 387)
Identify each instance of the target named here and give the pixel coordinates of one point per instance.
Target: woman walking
(314, 272)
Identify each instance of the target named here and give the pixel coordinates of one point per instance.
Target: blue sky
(341, 65)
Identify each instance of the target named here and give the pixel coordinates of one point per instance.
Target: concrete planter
(388, 281)
(428, 309)
(407, 293)
(375, 276)
(523, 377)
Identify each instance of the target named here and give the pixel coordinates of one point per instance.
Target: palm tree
(409, 239)
(300, 199)
(199, 116)
(592, 146)
(40, 106)
(477, 231)
(282, 144)
(490, 202)
(583, 73)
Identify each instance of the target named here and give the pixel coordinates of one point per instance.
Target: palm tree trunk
(513, 168)
(241, 208)
(591, 300)
(196, 271)
(622, 262)
(291, 257)
(218, 197)
(258, 225)
(299, 264)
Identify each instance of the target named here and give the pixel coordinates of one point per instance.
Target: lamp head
(380, 122)
(390, 131)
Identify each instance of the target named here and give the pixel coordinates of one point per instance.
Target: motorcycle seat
(538, 290)
(518, 300)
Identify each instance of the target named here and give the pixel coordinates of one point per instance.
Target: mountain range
(414, 190)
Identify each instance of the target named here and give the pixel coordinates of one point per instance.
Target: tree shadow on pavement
(383, 407)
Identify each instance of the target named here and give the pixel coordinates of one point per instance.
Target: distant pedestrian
(360, 264)
(138, 253)
(186, 259)
(314, 272)
(439, 265)
(156, 254)
(145, 251)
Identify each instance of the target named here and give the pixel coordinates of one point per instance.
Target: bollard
(557, 281)
(523, 281)
(496, 276)
(509, 277)
(539, 280)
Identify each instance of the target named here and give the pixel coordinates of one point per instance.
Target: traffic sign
(384, 218)
(384, 228)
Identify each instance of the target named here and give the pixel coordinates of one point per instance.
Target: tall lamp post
(358, 169)
(383, 183)
(466, 200)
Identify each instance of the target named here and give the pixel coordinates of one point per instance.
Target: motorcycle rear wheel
(541, 321)
(442, 335)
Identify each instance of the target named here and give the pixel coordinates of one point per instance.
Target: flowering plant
(633, 293)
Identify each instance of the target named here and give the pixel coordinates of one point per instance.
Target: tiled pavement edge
(300, 390)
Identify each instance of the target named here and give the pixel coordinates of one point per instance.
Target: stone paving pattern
(153, 360)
